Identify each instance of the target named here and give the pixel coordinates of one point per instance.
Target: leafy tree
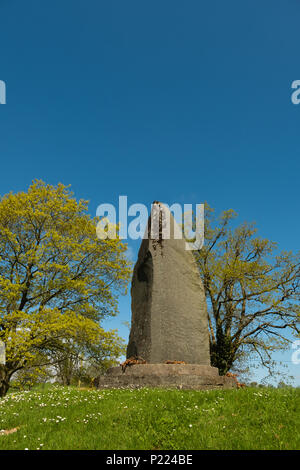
(57, 279)
(253, 384)
(282, 384)
(252, 294)
(84, 361)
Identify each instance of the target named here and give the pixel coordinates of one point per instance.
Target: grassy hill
(71, 418)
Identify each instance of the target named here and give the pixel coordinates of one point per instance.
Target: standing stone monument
(169, 331)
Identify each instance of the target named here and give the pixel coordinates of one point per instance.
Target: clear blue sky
(169, 100)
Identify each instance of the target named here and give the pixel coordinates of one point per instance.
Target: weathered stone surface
(180, 376)
(165, 370)
(169, 317)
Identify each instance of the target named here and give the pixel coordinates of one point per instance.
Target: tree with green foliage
(252, 293)
(84, 361)
(57, 279)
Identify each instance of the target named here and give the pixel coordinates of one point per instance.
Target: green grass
(70, 418)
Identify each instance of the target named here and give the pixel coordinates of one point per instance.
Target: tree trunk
(222, 352)
(4, 381)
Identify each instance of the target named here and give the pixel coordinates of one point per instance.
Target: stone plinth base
(180, 376)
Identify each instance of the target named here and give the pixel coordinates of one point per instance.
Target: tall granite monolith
(169, 314)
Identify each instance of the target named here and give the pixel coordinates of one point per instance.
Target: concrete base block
(178, 376)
